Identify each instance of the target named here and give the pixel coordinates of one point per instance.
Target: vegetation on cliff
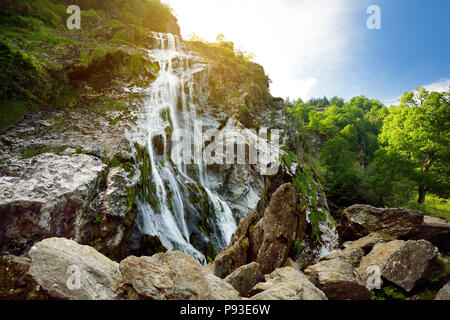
(237, 85)
(43, 64)
(377, 155)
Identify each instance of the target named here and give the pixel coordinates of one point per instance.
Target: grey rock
(286, 284)
(444, 293)
(338, 280)
(67, 270)
(245, 278)
(174, 276)
(408, 266)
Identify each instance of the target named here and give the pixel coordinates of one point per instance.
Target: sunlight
(298, 42)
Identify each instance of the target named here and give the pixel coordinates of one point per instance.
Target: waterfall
(165, 202)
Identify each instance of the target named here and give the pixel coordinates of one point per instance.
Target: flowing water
(183, 204)
(175, 197)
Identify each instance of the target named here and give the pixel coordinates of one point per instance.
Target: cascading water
(171, 194)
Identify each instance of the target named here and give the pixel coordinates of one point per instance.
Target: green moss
(114, 163)
(78, 150)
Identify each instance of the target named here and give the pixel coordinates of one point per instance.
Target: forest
(383, 156)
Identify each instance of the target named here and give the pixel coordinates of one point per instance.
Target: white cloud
(438, 86)
(300, 43)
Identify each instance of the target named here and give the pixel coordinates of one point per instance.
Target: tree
(418, 131)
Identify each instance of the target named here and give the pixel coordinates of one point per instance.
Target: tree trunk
(422, 193)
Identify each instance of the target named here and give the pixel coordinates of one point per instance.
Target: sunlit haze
(317, 47)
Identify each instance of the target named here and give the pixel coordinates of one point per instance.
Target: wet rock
(245, 278)
(444, 293)
(16, 283)
(47, 196)
(174, 276)
(366, 243)
(360, 220)
(338, 280)
(351, 254)
(280, 223)
(411, 264)
(117, 213)
(67, 270)
(286, 284)
(378, 257)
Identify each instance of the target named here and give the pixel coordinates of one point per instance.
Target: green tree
(417, 131)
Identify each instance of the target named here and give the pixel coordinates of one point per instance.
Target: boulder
(411, 264)
(235, 255)
(378, 257)
(174, 276)
(16, 283)
(280, 225)
(286, 284)
(444, 293)
(67, 270)
(46, 197)
(338, 280)
(435, 230)
(245, 278)
(360, 220)
(351, 254)
(366, 243)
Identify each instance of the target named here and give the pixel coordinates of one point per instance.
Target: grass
(433, 206)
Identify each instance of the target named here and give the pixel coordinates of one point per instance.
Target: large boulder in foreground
(245, 278)
(360, 220)
(46, 196)
(280, 225)
(338, 280)
(67, 270)
(174, 276)
(411, 264)
(286, 284)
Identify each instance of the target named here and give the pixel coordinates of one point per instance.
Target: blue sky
(323, 47)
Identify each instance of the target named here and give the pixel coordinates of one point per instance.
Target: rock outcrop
(268, 240)
(15, 281)
(280, 225)
(338, 280)
(286, 284)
